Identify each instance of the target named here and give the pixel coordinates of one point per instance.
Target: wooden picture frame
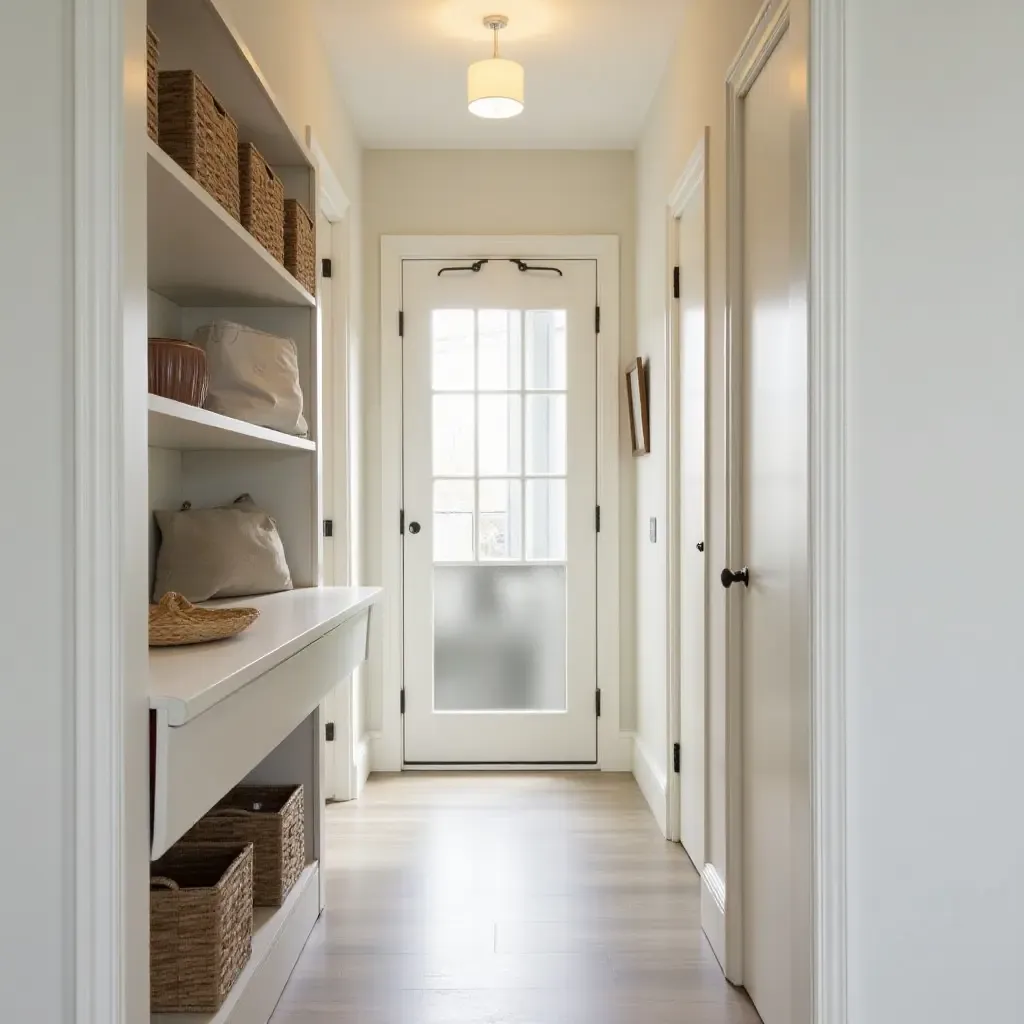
(639, 412)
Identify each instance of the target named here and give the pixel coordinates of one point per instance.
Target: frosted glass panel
(500, 361)
(454, 514)
(454, 420)
(501, 520)
(545, 520)
(501, 435)
(545, 349)
(546, 436)
(452, 331)
(500, 638)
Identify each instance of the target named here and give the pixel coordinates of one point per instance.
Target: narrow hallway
(511, 898)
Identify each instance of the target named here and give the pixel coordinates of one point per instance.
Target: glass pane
(545, 434)
(545, 520)
(501, 344)
(501, 435)
(499, 638)
(501, 520)
(453, 520)
(454, 417)
(545, 349)
(452, 333)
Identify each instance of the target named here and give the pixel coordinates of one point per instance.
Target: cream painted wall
(409, 192)
(691, 96)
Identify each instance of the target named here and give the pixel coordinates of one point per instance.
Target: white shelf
(183, 427)
(195, 35)
(199, 255)
(184, 682)
(278, 937)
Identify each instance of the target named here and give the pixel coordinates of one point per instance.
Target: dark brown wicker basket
(197, 133)
(200, 925)
(152, 105)
(262, 200)
(300, 245)
(272, 818)
(178, 370)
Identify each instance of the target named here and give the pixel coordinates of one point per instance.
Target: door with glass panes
(500, 493)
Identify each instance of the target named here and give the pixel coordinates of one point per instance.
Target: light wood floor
(507, 899)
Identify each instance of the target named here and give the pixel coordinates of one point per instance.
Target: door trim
(614, 746)
(770, 26)
(692, 182)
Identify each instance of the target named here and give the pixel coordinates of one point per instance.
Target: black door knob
(729, 577)
(700, 546)
(414, 528)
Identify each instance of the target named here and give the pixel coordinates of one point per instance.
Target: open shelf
(199, 255)
(279, 933)
(183, 427)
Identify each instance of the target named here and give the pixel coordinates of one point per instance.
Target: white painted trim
(770, 26)
(652, 779)
(99, 941)
(828, 333)
(614, 752)
(361, 765)
(690, 182)
(712, 910)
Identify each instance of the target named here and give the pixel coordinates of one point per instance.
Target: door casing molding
(614, 746)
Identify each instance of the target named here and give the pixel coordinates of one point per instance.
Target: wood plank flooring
(507, 899)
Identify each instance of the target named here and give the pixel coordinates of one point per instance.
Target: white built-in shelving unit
(247, 708)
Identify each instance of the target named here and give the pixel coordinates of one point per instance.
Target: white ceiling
(592, 68)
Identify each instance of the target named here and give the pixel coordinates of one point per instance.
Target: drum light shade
(496, 85)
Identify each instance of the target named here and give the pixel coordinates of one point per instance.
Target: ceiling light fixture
(496, 85)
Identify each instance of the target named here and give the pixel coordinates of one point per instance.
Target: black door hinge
(597, 518)
(325, 268)
(330, 732)
(328, 527)
(597, 319)
(676, 755)
(597, 702)
(402, 701)
(675, 282)
(401, 323)
(401, 521)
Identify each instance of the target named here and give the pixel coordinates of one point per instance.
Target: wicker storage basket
(152, 106)
(197, 133)
(272, 819)
(178, 370)
(200, 924)
(262, 200)
(300, 245)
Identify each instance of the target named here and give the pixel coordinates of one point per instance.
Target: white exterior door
(500, 537)
(692, 392)
(774, 654)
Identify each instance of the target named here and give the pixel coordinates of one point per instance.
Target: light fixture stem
(495, 42)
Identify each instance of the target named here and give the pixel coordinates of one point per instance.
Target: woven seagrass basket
(300, 245)
(262, 200)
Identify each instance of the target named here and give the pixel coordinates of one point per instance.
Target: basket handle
(232, 812)
(220, 110)
(160, 882)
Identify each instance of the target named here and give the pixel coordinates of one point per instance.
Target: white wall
(691, 96)
(36, 293)
(934, 365)
(482, 192)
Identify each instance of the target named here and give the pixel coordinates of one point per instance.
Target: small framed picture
(639, 417)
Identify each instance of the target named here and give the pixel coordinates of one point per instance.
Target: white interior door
(500, 485)
(774, 660)
(692, 392)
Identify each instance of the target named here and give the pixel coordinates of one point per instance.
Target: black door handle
(414, 528)
(729, 577)
(700, 546)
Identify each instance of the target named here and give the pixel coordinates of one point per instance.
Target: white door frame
(110, 651)
(692, 182)
(614, 747)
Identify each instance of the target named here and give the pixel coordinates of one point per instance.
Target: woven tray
(200, 924)
(272, 819)
(175, 622)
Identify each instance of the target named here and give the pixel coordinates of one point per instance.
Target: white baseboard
(361, 762)
(712, 910)
(650, 777)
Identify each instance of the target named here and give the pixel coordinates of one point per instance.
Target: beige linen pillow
(230, 551)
